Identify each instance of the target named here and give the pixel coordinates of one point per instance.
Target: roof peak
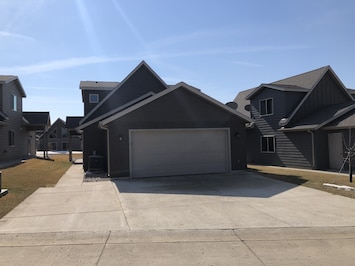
(305, 80)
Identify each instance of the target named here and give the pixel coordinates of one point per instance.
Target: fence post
(0, 182)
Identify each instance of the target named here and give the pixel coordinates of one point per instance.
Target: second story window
(13, 102)
(93, 98)
(266, 107)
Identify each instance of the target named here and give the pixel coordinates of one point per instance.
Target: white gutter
(108, 148)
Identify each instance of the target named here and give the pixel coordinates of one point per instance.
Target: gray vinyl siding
(295, 149)
(182, 109)
(1, 97)
(94, 140)
(291, 149)
(19, 150)
(89, 106)
(348, 140)
(321, 150)
(140, 83)
(56, 142)
(327, 92)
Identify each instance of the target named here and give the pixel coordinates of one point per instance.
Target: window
(64, 132)
(13, 102)
(65, 146)
(93, 98)
(268, 144)
(11, 138)
(266, 107)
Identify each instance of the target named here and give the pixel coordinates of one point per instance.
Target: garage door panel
(176, 152)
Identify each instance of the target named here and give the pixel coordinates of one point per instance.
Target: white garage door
(179, 152)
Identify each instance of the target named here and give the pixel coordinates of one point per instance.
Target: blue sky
(221, 47)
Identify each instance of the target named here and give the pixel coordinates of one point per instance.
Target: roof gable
(305, 80)
(59, 122)
(299, 83)
(321, 117)
(328, 90)
(166, 92)
(5, 79)
(242, 102)
(81, 125)
(139, 82)
(345, 121)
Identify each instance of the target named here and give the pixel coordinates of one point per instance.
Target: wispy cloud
(247, 64)
(83, 61)
(7, 34)
(233, 50)
(201, 36)
(62, 64)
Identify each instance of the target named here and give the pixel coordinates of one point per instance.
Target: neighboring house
(299, 121)
(37, 123)
(74, 137)
(143, 127)
(17, 134)
(57, 138)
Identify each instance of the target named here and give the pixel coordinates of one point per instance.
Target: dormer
(95, 91)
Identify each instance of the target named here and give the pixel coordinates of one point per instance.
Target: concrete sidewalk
(235, 219)
(72, 205)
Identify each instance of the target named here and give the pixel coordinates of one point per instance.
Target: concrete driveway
(239, 218)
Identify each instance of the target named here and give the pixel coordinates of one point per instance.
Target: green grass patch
(23, 179)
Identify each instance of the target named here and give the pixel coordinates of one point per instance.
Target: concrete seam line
(244, 243)
(119, 200)
(103, 248)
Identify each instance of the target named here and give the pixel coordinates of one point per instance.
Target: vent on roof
(232, 105)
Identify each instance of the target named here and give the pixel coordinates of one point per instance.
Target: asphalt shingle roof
(322, 117)
(305, 80)
(37, 118)
(73, 121)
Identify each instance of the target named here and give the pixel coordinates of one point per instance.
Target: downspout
(313, 149)
(108, 147)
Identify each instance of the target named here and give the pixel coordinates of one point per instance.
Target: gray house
(301, 121)
(17, 130)
(37, 123)
(143, 127)
(56, 137)
(74, 137)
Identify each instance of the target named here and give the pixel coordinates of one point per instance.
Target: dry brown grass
(23, 179)
(312, 179)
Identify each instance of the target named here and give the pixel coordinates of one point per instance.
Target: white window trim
(14, 102)
(94, 95)
(261, 143)
(272, 106)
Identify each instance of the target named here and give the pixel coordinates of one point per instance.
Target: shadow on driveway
(237, 184)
